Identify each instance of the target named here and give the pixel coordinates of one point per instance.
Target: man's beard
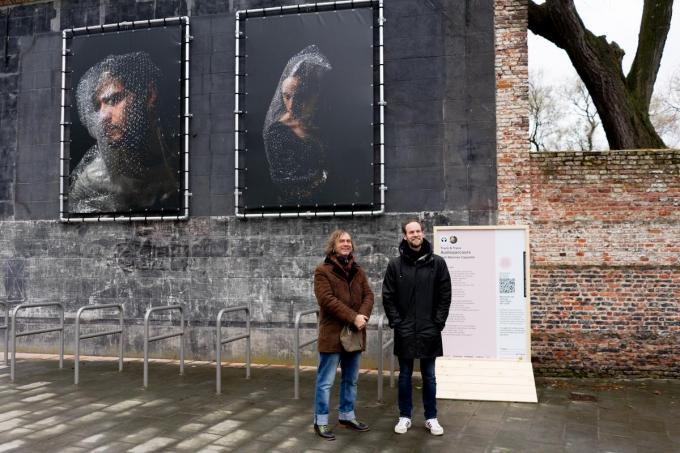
(415, 243)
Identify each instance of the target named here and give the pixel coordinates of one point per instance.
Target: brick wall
(512, 107)
(604, 232)
(606, 273)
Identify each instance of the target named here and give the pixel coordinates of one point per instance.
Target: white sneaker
(433, 426)
(402, 425)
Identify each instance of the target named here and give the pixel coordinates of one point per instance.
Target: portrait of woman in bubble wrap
(293, 141)
(134, 163)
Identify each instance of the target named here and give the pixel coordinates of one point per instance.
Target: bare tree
(588, 121)
(673, 99)
(622, 101)
(664, 111)
(561, 117)
(542, 109)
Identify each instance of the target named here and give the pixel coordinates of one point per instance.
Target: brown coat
(341, 298)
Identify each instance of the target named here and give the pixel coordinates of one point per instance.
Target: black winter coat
(416, 297)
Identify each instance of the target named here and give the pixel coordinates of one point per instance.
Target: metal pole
(297, 356)
(380, 358)
(6, 332)
(248, 356)
(181, 343)
(14, 343)
(146, 349)
(218, 349)
(120, 341)
(77, 357)
(61, 339)
(187, 40)
(237, 107)
(392, 370)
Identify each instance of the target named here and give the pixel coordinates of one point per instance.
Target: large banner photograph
(125, 122)
(309, 126)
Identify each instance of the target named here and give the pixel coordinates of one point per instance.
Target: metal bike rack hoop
(5, 327)
(59, 329)
(220, 342)
(99, 334)
(381, 357)
(298, 346)
(148, 339)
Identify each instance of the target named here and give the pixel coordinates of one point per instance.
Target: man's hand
(360, 321)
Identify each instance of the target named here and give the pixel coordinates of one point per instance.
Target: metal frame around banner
(185, 115)
(324, 211)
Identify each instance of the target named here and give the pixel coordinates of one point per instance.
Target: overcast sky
(619, 20)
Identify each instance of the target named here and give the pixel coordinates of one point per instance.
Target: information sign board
(487, 337)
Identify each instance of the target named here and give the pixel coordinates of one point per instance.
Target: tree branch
(598, 63)
(541, 24)
(654, 27)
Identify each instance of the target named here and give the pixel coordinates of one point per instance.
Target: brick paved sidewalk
(110, 412)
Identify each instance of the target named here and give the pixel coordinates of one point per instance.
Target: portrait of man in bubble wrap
(133, 165)
(293, 140)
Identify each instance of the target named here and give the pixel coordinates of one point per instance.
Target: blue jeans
(406, 391)
(328, 364)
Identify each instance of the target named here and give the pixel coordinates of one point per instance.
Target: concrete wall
(604, 226)
(440, 161)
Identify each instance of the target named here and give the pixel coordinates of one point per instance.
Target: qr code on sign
(506, 285)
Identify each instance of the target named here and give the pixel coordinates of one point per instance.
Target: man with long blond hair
(345, 298)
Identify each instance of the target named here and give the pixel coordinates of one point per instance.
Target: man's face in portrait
(121, 115)
(111, 102)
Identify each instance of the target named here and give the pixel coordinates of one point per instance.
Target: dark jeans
(406, 390)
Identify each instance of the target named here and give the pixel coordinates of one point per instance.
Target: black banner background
(164, 46)
(346, 112)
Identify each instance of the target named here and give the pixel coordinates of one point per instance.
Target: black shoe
(324, 431)
(355, 424)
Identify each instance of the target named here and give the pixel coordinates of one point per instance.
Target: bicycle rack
(381, 358)
(60, 329)
(220, 342)
(148, 339)
(298, 346)
(5, 327)
(100, 334)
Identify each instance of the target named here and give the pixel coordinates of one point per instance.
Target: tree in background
(543, 107)
(587, 120)
(673, 99)
(664, 111)
(623, 102)
(562, 117)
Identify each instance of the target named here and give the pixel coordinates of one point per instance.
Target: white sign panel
(489, 319)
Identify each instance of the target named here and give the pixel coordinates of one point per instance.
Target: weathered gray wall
(440, 159)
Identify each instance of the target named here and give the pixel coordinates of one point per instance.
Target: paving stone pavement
(42, 411)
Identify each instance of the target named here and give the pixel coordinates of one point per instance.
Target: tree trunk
(623, 105)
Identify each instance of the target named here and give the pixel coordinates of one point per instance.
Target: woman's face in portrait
(298, 98)
(343, 245)
(289, 89)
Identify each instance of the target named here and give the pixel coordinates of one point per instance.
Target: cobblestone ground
(110, 411)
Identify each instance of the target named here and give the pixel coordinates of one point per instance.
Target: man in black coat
(416, 295)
